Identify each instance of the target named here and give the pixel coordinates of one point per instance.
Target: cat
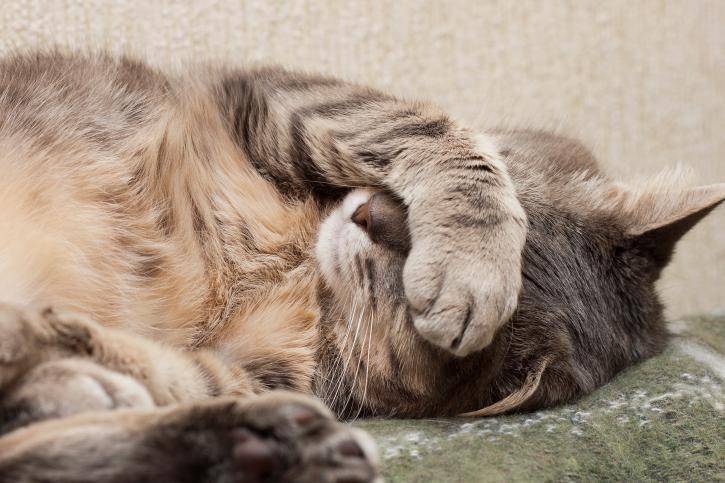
(203, 251)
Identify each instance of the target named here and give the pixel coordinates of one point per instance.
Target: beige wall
(642, 82)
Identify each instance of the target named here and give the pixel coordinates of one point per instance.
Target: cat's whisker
(357, 321)
(337, 185)
(334, 379)
(366, 340)
(359, 362)
(338, 369)
(367, 367)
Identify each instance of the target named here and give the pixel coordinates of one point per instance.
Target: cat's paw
(275, 437)
(23, 330)
(26, 334)
(463, 285)
(13, 335)
(65, 387)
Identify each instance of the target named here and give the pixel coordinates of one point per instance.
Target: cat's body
(204, 221)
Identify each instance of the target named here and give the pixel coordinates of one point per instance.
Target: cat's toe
(288, 437)
(24, 330)
(462, 313)
(13, 346)
(253, 458)
(347, 456)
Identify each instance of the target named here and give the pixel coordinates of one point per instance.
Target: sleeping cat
(203, 251)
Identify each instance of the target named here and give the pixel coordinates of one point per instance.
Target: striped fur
(206, 226)
(182, 210)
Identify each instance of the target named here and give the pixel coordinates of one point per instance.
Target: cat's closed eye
(384, 219)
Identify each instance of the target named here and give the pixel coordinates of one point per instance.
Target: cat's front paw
(463, 285)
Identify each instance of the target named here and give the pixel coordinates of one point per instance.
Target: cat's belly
(191, 257)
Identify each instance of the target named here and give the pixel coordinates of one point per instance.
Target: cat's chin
(339, 240)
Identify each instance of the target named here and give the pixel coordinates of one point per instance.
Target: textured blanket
(660, 421)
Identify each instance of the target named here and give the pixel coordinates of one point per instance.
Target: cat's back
(51, 97)
(72, 127)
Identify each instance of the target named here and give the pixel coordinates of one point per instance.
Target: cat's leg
(64, 387)
(275, 437)
(311, 134)
(55, 365)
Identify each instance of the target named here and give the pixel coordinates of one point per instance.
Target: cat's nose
(361, 217)
(385, 221)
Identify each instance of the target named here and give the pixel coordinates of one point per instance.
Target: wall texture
(643, 83)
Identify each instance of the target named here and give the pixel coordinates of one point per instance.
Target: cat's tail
(516, 398)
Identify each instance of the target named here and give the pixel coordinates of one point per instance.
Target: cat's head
(588, 307)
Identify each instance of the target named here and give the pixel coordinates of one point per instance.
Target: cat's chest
(265, 270)
(267, 300)
(266, 239)
(235, 255)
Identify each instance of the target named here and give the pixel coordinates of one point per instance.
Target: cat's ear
(660, 219)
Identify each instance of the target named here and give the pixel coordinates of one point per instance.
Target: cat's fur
(224, 233)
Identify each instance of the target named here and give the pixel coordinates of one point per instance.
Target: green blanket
(661, 420)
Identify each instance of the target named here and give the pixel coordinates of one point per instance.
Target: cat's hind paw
(13, 335)
(281, 437)
(23, 332)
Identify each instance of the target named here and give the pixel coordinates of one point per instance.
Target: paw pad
(253, 457)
